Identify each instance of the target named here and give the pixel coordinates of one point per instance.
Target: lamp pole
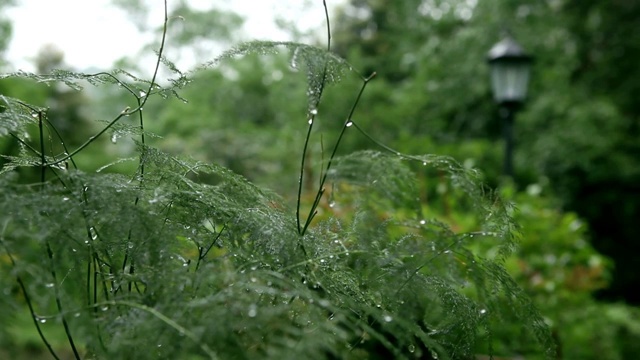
(510, 69)
(508, 115)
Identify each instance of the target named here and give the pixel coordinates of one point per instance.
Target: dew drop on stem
(349, 124)
(94, 234)
(253, 311)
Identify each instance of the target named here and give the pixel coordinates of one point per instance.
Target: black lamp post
(510, 68)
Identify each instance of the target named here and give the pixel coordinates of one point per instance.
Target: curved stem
(27, 299)
(348, 122)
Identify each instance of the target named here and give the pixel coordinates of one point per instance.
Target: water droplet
(422, 222)
(424, 163)
(349, 124)
(412, 348)
(42, 321)
(253, 311)
(114, 138)
(104, 308)
(388, 318)
(65, 199)
(142, 94)
(76, 314)
(49, 285)
(310, 121)
(313, 111)
(294, 60)
(483, 311)
(35, 115)
(93, 233)
(322, 260)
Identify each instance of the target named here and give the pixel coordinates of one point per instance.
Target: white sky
(94, 33)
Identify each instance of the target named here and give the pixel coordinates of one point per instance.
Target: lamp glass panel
(509, 80)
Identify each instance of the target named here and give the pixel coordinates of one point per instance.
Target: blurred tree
(579, 128)
(65, 105)
(5, 29)
(606, 190)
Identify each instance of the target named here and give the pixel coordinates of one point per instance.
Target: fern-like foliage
(161, 265)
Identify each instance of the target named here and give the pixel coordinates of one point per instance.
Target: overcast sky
(94, 33)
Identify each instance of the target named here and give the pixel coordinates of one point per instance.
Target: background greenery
(575, 188)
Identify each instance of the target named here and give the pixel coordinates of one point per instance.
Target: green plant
(184, 259)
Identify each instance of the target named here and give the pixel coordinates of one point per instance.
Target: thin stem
(64, 146)
(93, 137)
(326, 15)
(203, 253)
(304, 156)
(181, 330)
(27, 299)
(323, 180)
(142, 100)
(160, 51)
(65, 324)
(373, 140)
(48, 245)
(312, 212)
(301, 178)
(43, 159)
